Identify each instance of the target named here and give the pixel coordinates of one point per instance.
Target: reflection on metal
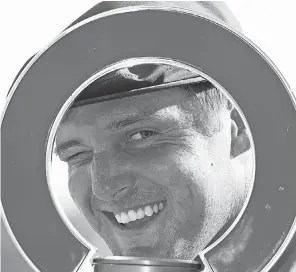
(261, 234)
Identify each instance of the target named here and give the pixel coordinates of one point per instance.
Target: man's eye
(74, 156)
(142, 135)
(80, 156)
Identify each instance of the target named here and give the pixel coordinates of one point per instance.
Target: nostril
(120, 193)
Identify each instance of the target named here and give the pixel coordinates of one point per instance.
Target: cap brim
(138, 91)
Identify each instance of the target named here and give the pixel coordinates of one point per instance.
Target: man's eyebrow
(119, 124)
(62, 147)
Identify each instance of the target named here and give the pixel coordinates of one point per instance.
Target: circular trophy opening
(151, 158)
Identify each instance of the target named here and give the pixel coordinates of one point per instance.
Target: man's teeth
(131, 215)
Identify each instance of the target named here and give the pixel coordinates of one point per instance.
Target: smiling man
(158, 161)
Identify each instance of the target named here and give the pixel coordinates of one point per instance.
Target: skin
(151, 147)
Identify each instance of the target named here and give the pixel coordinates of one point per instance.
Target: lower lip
(153, 219)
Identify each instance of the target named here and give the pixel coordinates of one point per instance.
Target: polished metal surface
(112, 264)
(216, 10)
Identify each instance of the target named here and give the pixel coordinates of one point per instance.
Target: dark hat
(135, 80)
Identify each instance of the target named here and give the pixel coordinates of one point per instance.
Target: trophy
(151, 136)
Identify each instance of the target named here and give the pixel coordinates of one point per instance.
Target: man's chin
(185, 252)
(145, 252)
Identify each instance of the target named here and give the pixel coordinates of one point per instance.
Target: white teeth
(124, 218)
(148, 211)
(118, 218)
(140, 214)
(132, 215)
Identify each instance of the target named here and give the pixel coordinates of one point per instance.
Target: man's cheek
(187, 166)
(81, 192)
(80, 189)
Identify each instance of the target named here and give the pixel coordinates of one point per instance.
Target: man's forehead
(138, 105)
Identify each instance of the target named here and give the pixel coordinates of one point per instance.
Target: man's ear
(240, 140)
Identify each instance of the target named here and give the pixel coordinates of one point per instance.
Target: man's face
(148, 163)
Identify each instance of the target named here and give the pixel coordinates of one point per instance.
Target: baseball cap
(136, 80)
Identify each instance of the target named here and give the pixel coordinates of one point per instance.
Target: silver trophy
(157, 138)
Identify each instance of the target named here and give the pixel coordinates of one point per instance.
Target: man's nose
(112, 179)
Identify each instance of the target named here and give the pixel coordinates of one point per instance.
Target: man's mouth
(137, 217)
